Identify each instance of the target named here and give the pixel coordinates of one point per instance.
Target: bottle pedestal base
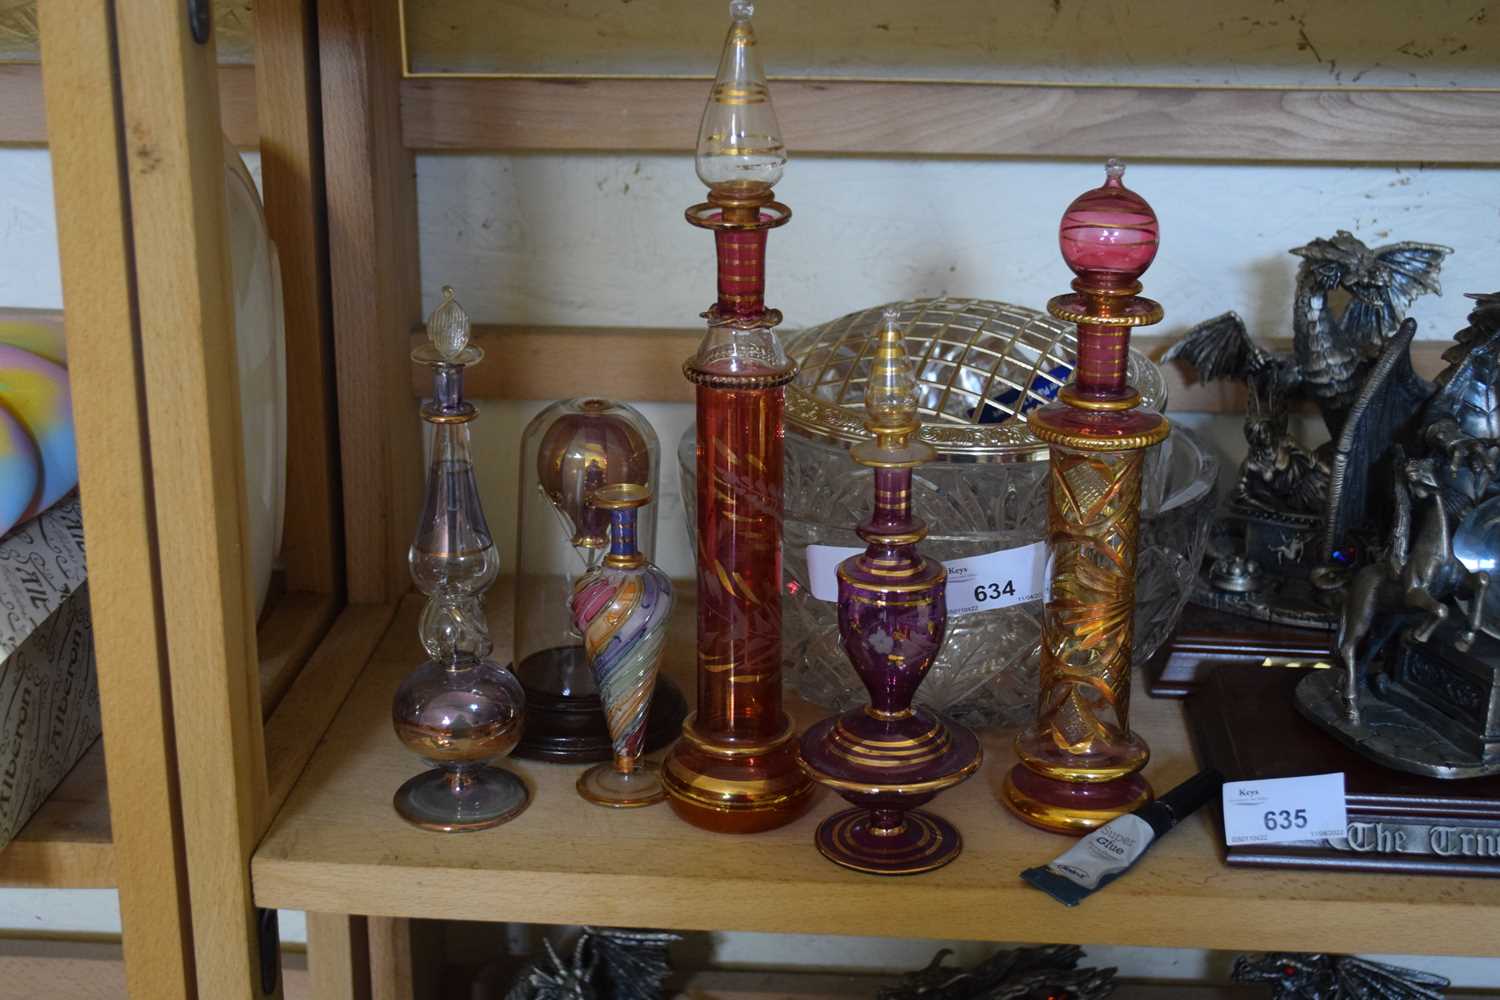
(731, 787)
(1069, 807)
(482, 798)
(606, 785)
(921, 843)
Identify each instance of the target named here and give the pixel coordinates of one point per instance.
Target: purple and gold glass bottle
(622, 610)
(459, 709)
(889, 757)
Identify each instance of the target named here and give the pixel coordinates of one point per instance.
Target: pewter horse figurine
(1419, 576)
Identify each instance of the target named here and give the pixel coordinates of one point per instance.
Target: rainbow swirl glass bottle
(622, 609)
(459, 709)
(888, 757)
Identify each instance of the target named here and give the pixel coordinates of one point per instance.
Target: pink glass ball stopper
(1109, 235)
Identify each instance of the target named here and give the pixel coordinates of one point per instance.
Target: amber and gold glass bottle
(735, 769)
(1080, 762)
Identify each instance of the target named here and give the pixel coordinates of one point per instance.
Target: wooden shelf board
(901, 118)
(293, 626)
(67, 969)
(66, 844)
(337, 846)
(23, 120)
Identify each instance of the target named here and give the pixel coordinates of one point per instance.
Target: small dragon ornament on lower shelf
(1335, 977)
(1049, 972)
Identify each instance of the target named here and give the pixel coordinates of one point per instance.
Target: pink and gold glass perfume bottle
(735, 768)
(888, 757)
(1079, 761)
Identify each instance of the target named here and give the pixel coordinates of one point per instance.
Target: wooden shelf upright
(256, 758)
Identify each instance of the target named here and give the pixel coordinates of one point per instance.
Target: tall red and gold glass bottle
(735, 769)
(1079, 762)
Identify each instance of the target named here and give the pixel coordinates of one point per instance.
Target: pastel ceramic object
(20, 471)
(35, 392)
(39, 331)
(260, 344)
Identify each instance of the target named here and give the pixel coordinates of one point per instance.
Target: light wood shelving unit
(337, 845)
(258, 757)
(67, 843)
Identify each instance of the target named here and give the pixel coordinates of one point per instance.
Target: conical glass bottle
(459, 709)
(622, 609)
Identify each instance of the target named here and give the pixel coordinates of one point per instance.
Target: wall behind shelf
(599, 240)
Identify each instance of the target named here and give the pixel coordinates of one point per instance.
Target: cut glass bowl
(988, 497)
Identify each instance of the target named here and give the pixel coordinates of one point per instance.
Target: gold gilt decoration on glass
(1080, 765)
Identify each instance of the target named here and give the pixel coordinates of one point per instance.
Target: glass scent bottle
(459, 709)
(570, 449)
(889, 757)
(735, 768)
(1080, 763)
(739, 138)
(622, 609)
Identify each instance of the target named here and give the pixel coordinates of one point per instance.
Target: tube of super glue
(1110, 851)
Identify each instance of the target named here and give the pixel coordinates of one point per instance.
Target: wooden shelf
(66, 844)
(338, 847)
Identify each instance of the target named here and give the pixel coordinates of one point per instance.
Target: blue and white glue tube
(1110, 851)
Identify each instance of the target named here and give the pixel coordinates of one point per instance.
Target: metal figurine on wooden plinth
(460, 709)
(887, 757)
(1079, 762)
(735, 769)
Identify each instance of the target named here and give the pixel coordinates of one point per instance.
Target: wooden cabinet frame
(212, 718)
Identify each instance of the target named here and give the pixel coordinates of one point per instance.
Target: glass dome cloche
(568, 451)
(981, 365)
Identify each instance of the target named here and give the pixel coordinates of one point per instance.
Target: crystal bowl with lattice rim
(979, 364)
(989, 496)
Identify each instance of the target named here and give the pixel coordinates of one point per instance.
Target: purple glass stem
(622, 522)
(448, 387)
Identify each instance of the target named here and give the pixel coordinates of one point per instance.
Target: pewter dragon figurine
(1349, 300)
(1279, 555)
(1335, 977)
(1050, 971)
(607, 964)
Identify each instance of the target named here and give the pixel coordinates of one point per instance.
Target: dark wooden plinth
(1207, 639)
(1245, 723)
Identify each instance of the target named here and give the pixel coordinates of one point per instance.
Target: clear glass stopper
(891, 393)
(448, 327)
(739, 138)
(892, 403)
